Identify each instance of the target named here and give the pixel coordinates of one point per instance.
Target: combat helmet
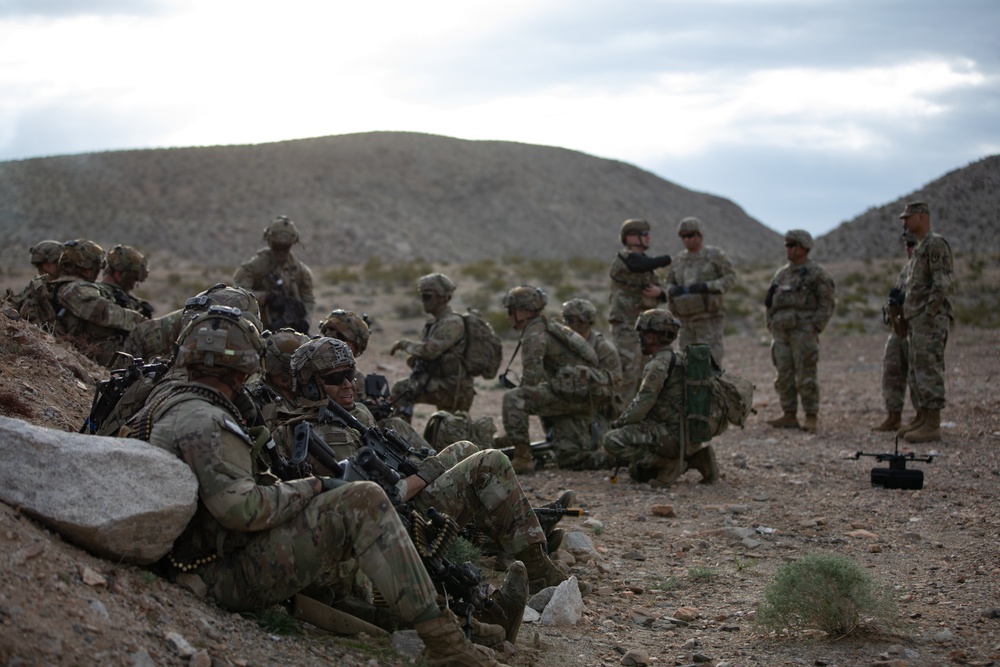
(525, 297)
(347, 326)
(658, 320)
(281, 231)
(219, 340)
(314, 359)
(81, 255)
(436, 283)
(45, 251)
(690, 225)
(631, 226)
(221, 294)
(278, 349)
(127, 259)
(580, 310)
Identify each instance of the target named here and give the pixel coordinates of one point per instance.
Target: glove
(260, 435)
(769, 299)
(698, 288)
(676, 290)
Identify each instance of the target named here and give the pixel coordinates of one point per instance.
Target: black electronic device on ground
(897, 476)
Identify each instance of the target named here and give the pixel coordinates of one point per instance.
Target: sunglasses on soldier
(337, 379)
(792, 244)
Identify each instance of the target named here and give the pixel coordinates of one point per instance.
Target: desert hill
(399, 196)
(964, 208)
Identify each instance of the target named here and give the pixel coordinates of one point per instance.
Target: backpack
(37, 303)
(713, 398)
(585, 379)
(444, 428)
(483, 348)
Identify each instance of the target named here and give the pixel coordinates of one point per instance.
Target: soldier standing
(799, 303)
(696, 283)
(439, 375)
(895, 360)
(927, 310)
(255, 540)
(635, 287)
(282, 283)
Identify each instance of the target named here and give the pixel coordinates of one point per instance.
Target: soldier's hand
(698, 288)
(676, 290)
(396, 347)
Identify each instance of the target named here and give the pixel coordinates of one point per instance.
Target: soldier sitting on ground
(649, 434)
(84, 312)
(254, 540)
(126, 268)
(35, 300)
(439, 375)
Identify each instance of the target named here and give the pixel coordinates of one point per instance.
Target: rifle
(541, 451)
(550, 516)
(284, 309)
(109, 392)
(384, 459)
(376, 396)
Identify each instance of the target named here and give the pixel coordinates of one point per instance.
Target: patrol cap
(281, 231)
(688, 225)
(800, 236)
(436, 283)
(913, 208)
(45, 251)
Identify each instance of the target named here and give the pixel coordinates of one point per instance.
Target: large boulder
(116, 497)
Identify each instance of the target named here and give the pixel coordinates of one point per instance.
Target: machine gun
(541, 451)
(285, 309)
(109, 392)
(385, 460)
(897, 476)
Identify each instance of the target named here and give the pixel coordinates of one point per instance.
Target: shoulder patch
(230, 425)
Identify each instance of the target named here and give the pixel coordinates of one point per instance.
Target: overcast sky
(804, 112)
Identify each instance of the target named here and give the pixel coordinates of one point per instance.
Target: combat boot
(893, 420)
(669, 471)
(812, 423)
(486, 633)
(507, 609)
(523, 463)
(704, 462)
(445, 645)
(542, 572)
(929, 430)
(787, 420)
(911, 425)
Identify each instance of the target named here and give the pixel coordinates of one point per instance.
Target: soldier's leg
(403, 397)
(715, 329)
(626, 341)
(355, 520)
(575, 441)
(928, 337)
(784, 366)
(805, 351)
(894, 379)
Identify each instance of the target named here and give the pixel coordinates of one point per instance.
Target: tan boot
(892, 422)
(542, 572)
(508, 601)
(812, 423)
(669, 472)
(704, 462)
(445, 645)
(911, 425)
(523, 463)
(929, 430)
(787, 420)
(486, 634)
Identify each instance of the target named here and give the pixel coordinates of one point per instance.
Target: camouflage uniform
(86, 312)
(155, 337)
(648, 433)
(542, 356)
(259, 276)
(895, 362)
(928, 313)
(801, 307)
(36, 302)
(461, 481)
(626, 301)
(439, 376)
(702, 315)
(266, 540)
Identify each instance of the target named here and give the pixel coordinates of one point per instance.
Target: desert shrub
(462, 550)
(826, 592)
(277, 621)
(703, 574)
